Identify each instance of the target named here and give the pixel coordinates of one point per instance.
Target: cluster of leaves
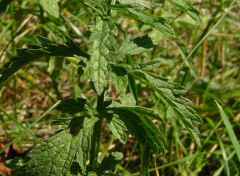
(108, 58)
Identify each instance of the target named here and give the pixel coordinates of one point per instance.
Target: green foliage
(118, 128)
(102, 47)
(106, 60)
(187, 7)
(171, 93)
(55, 156)
(110, 161)
(72, 106)
(50, 6)
(33, 52)
(230, 131)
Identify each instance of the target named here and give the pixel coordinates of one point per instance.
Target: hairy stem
(95, 140)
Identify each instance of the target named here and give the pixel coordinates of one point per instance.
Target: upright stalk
(95, 140)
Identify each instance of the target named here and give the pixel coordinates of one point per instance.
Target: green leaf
(4, 4)
(102, 51)
(128, 47)
(145, 158)
(118, 128)
(138, 109)
(144, 41)
(55, 156)
(50, 6)
(33, 52)
(142, 127)
(132, 82)
(119, 78)
(150, 65)
(230, 131)
(128, 100)
(187, 7)
(158, 23)
(72, 106)
(112, 160)
(141, 3)
(171, 93)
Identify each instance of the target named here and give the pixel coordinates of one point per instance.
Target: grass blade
(24, 131)
(19, 125)
(230, 131)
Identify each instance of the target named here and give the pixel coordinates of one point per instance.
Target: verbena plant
(107, 63)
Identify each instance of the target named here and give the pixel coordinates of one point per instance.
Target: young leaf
(187, 7)
(130, 48)
(112, 160)
(50, 6)
(118, 128)
(101, 52)
(72, 106)
(118, 75)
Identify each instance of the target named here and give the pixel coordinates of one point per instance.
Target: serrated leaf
(158, 23)
(101, 52)
(55, 156)
(138, 109)
(171, 92)
(141, 3)
(143, 128)
(112, 160)
(50, 6)
(33, 52)
(136, 118)
(187, 7)
(72, 106)
(128, 100)
(119, 78)
(118, 128)
(150, 65)
(83, 152)
(145, 158)
(128, 47)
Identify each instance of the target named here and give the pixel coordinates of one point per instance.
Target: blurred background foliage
(213, 73)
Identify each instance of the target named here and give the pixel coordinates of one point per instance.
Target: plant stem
(132, 83)
(95, 140)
